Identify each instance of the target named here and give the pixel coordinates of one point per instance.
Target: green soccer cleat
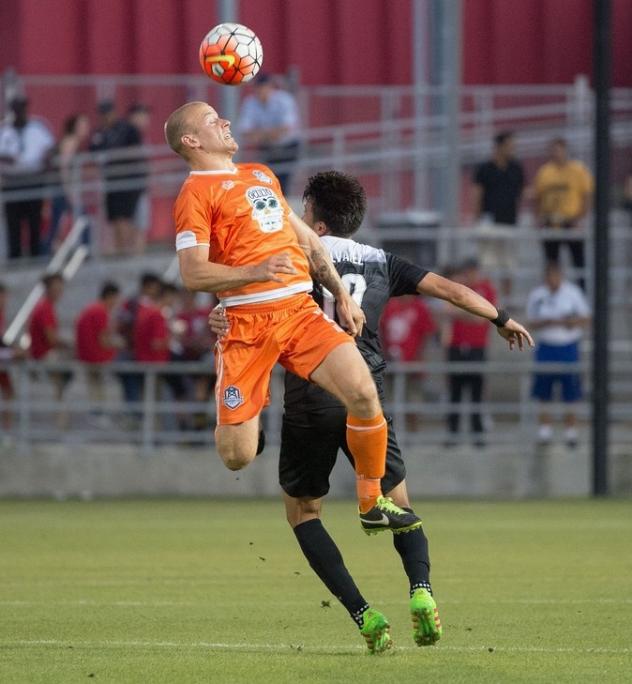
(376, 631)
(425, 615)
(385, 515)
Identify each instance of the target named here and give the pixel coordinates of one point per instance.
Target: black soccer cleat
(385, 515)
(261, 444)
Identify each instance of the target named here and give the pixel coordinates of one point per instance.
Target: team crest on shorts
(263, 177)
(232, 397)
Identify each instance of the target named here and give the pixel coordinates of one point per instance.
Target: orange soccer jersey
(243, 217)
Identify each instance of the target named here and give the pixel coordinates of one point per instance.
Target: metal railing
(415, 396)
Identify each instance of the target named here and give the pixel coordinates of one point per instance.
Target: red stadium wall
(332, 41)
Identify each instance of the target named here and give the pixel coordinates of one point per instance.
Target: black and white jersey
(372, 276)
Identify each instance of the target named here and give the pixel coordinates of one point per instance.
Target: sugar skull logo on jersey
(266, 208)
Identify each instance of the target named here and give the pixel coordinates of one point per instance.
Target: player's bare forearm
(200, 275)
(459, 295)
(321, 266)
(468, 300)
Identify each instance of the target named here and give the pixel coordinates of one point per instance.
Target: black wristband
(501, 320)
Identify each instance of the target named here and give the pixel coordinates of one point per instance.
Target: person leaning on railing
(563, 188)
(25, 147)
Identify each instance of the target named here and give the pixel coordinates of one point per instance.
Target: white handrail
(66, 261)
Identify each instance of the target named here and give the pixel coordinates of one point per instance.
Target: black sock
(326, 561)
(413, 548)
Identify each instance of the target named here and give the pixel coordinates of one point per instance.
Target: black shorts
(121, 204)
(309, 448)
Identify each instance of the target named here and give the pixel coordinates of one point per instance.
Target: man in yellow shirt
(563, 188)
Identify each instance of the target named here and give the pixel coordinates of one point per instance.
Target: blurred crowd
(160, 323)
(39, 173)
(35, 166)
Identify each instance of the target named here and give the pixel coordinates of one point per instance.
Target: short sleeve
(247, 116)
(532, 307)
(588, 183)
(479, 175)
(403, 276)
(519, 175)
(581, 304)
(192, 219)
(9, 143)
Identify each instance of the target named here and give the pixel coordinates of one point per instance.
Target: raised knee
(363, 400)
(236, 458)
(236, 462)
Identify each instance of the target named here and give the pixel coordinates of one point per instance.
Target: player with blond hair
(237, 237)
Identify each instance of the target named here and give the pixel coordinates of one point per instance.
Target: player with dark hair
(314, 421)
(237, 237)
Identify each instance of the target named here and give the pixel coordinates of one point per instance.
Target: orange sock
(367, 439)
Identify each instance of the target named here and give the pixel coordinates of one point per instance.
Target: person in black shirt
(114, 135)
(498, 185)
(314, 421)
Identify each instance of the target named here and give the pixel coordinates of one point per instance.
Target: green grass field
(201, 591)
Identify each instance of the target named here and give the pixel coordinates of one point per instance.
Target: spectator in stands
(97, 341)
(138, 116)
(6, 354)
(152, 338)
(46, 342)
(498, 186)
(194, 343)
(113, 136)
(25, 148)
(269, 120)
(405, 328)
(149, 291)
(76, 132)
(466, 338)
(558, 313)
(563, 188)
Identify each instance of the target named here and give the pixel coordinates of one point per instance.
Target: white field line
(215, 603)
(291, 648)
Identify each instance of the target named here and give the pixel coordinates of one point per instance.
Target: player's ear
(320, 228)
(189, 140)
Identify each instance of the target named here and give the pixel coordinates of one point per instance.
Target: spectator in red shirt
(150, 288)
(96, 340)
(151, 331)
(6, 354)
(406, 326)
(152, 336)
(194, 342)
(46, 343)
(466, 338)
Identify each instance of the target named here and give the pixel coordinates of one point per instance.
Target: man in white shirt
(269, 120)
(558, 313)
(25, 147)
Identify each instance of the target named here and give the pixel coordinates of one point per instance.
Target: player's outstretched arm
(466, 299)
(322, 269)
(201, 275)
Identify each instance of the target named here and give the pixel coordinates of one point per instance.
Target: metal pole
(228, 10)
(451, 80)
(420, 75)
(600, 371)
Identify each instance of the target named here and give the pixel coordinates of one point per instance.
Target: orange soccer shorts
(293, 331)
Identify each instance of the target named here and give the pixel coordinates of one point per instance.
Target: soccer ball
(231, 54)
